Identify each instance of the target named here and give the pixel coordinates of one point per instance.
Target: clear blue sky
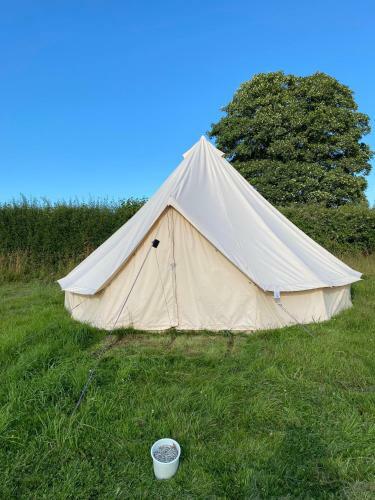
(100, 98)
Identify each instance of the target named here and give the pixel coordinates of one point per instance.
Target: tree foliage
(297, 139)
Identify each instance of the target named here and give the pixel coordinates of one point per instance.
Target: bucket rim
(160, 441)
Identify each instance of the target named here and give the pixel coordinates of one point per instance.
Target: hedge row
(348, 228)
(41, 239)
(48, 239)
(61, 229)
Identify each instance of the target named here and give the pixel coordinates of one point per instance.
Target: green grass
(273, 414)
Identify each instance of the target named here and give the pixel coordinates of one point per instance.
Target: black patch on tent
(155, 243)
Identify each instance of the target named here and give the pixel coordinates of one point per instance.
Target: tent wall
(187, 284)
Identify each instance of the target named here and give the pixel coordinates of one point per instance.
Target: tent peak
(203, 143)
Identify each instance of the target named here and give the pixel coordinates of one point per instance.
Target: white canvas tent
(224, 253)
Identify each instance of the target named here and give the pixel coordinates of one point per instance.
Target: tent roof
(234, 217)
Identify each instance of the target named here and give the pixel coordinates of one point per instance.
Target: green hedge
(345, 229)
(62, 228)
(41, 239)
(44, 239)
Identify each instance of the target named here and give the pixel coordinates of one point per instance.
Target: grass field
(272, 414)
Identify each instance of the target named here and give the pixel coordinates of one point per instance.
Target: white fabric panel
(336, 299)
(212, 294)
(234, 217)
(195, 287)
(310, 306)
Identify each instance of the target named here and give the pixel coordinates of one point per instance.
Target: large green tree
(297, 139)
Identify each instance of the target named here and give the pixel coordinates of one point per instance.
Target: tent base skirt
(321, 306)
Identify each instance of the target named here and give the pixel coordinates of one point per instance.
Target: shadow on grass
(305, 460)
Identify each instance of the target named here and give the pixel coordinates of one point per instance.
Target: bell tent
(207, 251)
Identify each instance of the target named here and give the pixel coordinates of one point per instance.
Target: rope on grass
(84, 390)
(98, 355)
